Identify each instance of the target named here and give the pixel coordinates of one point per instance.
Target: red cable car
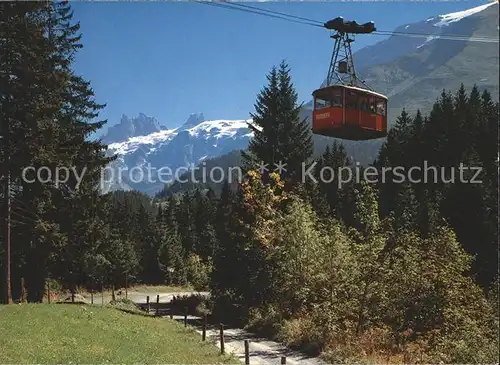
(342, 109)
(349, 112)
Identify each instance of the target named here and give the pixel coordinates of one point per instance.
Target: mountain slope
(414, 80)
(132, 127)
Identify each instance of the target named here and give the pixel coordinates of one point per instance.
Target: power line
(316, 23)
(260, 12)
(274, 12)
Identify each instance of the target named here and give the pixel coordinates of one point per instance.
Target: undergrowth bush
(193, 303)
(198, 273)
(265, 321)
(125, 305)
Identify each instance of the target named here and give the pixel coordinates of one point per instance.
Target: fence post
(204, 333)
(102, 291)
(185, 316)
(48, 291)
(147, 304)
(157, 304)
(283, 360)
(126, 286)
(171, 309)
(23, 292)
(247, 353)
(221, 335)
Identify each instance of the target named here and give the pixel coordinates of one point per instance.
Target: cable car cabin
(349, 112)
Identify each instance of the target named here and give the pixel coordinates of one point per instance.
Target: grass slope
(57, 333)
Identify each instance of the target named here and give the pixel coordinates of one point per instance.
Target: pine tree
(226, 277)
(204, 225)
(169, 212)
(438, 131)
(122, 260)
(295, 139)
(394, 153)
(173, 257)
(367, 212)
(185, 222)
(159, 215)
(487, 139)
(53, 123)
(148, 243)
(21, 57)
(405, 213)
(279, 135)
(328, 172)
(262, 148)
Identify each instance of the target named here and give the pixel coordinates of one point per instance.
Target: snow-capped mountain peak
(447, 19)
(434, 25)
(193, 120)
(418, 36)
(183, 147)
(209, 129)
(132, 127)
(133, 143)
(219, 128)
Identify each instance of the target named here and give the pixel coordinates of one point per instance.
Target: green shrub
(191, 302)
(265, 321)
(198, 273)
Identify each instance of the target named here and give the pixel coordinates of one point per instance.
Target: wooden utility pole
(7, 210)
(8, 292)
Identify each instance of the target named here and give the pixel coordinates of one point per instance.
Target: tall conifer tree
(279, 135)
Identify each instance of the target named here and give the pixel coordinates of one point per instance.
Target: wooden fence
(168, 309)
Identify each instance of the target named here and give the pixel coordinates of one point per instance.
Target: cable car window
(363, 105)
(337, 100)
(381, 108)
(373, 107)
(351, 101)
(320, 104)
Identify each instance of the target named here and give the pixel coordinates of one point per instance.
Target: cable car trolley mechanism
(345, 107)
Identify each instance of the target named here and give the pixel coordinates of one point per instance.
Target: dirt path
(261, 351)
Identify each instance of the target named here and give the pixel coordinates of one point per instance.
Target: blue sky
(170, 59)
